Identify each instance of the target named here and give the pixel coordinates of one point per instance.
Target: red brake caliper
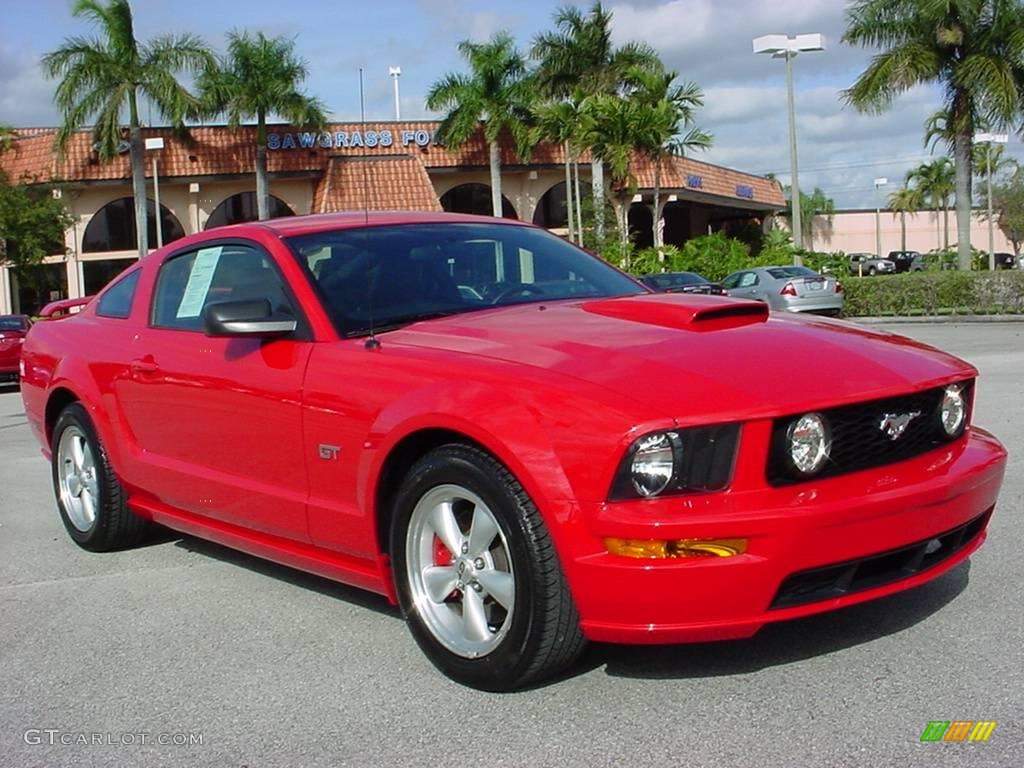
(443, 557)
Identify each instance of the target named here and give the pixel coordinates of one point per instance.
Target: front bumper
(831, 524)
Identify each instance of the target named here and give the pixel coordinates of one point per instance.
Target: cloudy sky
(708, 41)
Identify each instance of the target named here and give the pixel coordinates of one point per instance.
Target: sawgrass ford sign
(366, 139)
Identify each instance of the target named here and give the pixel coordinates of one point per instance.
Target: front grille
(834, 581)
(858, 441)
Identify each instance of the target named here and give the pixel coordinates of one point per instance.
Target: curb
(937, 319)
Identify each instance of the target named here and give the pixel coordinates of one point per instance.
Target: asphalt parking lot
(183, 640)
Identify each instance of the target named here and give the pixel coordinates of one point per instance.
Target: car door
(217, 421)
(746, 286)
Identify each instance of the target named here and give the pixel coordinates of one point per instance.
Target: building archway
(476, 199)
(641, 220)
(112, 228)
(242, 207)
(552, 211)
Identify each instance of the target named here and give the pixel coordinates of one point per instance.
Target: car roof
(322, 222)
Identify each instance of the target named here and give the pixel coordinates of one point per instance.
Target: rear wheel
(90, 499)
(477, 575)
(872, 271)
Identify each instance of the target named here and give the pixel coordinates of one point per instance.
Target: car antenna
(372, 342)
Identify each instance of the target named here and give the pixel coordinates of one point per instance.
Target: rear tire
(90, 498)
(477, 575)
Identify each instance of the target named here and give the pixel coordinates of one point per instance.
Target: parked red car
(13, 330)
(518, 444)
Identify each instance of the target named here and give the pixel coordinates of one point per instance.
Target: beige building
(857, 232)
(381, 166)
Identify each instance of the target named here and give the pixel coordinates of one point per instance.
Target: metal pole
(398, 106)
(156, 200)
(878, 225)
(798, 236)
(991, 227)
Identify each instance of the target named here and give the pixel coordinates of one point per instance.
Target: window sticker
(199, 280)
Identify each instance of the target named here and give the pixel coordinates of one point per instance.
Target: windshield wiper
(401, 322)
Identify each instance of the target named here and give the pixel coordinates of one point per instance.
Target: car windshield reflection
(387, 277)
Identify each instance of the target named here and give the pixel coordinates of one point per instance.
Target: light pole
(787, 47)
(396, 72)
(154, 144)
(879, 183)
(989, 139)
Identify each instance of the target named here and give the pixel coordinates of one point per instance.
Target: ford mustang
(520, 446)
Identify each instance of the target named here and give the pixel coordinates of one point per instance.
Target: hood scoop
(685, 313)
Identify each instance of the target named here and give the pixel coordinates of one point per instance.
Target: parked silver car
(790, 289)
(866, 264)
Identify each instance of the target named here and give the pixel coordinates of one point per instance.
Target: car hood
(688, 355)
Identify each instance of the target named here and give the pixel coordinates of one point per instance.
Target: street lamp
(787, 47)
(879, 183)
(154, 144)
(989, 139)
(396, 72)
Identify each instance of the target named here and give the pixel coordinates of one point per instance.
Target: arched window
(475, 199)
(242, 207)
(113, 227)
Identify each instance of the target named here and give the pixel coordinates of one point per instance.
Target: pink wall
(854, 231)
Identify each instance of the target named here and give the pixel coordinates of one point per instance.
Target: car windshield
(390, 276)
(12, 324)
(783, 273)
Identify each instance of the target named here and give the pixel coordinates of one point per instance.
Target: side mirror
(252, 317)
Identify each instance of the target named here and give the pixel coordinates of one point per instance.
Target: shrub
(935, 293)
(713, 256)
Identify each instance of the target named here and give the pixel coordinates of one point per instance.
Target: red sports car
(13, 330)
(521, 446)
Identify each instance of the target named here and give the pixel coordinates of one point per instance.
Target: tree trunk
(568, 192)
(657, 231)
(495, 158)
(579, 200)
(945, 224)
(962, 157)
(262, 183)
(137, 156)
(903, 232)
(597, 185)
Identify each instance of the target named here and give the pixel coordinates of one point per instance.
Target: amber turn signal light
(657, 549)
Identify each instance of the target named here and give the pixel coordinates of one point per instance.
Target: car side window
(748, 280)
(732, 281)
(191, 281)
(117, 300)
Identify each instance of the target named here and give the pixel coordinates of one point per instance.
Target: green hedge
(935, 293)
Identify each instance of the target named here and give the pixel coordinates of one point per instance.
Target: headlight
(692, 460)
(810, 442)
(654, 463)
(953, 410)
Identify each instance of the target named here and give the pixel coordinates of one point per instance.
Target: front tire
(90, 498)
(477, 575)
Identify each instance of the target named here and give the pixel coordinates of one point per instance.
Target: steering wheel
(523, 288)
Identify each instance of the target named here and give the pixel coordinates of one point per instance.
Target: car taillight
(839, 287)
(788, 290)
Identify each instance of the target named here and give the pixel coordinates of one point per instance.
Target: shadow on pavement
(783, 642)
(310, 581)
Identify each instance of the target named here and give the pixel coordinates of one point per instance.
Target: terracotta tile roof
(397, 182)
(216, 151)
(687, 174)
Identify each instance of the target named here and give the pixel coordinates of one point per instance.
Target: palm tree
(559, 122)
(936, 183)
(258, 77)
(674, 107)
(811, 206)
(580, 56)
(903, 201)
(972, 49)
(496, 92)
(614, 127)
(102, 77)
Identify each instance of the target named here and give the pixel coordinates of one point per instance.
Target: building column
(76, 278)
(6, 300)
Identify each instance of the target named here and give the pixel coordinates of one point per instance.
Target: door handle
(144, 365)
